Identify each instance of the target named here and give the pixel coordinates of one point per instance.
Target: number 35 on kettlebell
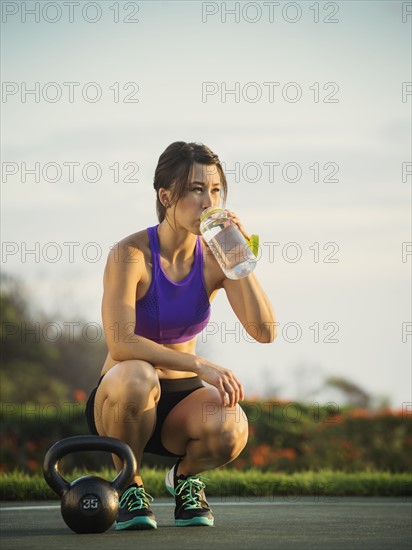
(89, 504)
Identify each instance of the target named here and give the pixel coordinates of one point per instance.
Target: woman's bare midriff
(184, 347)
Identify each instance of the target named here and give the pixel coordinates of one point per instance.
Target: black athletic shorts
(173, 391)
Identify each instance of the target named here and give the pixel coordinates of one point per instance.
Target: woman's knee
(236, 431)
(131, 380)
(229, 431)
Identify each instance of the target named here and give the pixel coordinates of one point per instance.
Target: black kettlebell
(90, 503)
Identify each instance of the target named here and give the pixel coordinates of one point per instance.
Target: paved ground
(331, 523)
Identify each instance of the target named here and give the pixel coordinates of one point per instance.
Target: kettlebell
(89, 504)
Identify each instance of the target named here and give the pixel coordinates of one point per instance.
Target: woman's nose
(207, 201)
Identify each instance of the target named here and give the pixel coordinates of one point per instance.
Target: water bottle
(227, 243)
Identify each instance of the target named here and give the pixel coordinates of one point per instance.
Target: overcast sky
(307, 104)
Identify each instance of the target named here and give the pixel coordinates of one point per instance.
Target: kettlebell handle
(88, 443)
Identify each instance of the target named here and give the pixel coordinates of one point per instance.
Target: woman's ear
(164, 197)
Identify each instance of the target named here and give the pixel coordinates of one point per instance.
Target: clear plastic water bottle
(227, 243)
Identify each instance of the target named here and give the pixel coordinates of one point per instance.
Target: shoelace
(189, 489)
(135, 498)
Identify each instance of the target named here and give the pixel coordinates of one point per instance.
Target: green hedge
(291, 436)
(251, 484)
(283, 436)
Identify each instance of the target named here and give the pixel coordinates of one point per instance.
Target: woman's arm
(252, 307)
(249, 302)
(124, 270)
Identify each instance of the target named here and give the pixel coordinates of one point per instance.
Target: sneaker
(134, 510)
(191, 504)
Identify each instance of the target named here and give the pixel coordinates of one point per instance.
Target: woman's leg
(205, 432)
(125, 406)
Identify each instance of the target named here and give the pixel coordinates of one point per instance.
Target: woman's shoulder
(139, 240)
(131, 249)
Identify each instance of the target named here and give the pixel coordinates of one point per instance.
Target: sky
(307, 104)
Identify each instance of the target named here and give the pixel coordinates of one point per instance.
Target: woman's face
(203, 191)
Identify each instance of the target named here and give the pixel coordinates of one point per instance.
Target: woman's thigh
(121, 382)
(198, 414)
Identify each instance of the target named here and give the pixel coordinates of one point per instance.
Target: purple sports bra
(171, 312)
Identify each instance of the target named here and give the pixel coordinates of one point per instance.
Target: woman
(158, 285)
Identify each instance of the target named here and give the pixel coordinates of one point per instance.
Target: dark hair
(175, 166)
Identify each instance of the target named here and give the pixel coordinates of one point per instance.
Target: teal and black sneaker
(192, 507)
(134, 510)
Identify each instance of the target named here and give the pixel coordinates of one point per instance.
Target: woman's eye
(197, 189)
(216, 190)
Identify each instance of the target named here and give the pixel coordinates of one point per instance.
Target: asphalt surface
(248, 524)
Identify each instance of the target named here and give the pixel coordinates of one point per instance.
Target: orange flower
(359, 413)
(261, 455)
(80, 395)
(290, 454)
(32, 464)
(335, 419)
(258, 460)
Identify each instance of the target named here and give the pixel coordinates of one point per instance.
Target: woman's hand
(228, 386)
(235, 219)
